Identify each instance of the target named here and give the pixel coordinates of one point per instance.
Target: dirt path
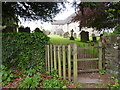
(94, 80)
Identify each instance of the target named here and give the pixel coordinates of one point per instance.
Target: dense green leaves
(52, 83)
(7, 75)
(23, 50)
(100, 15)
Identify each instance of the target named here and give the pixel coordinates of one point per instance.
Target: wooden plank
(51, 53)
(46, 51)
(69, 63)
(64, 63)
(48, 57)
(89, 70)
(59, 62)
(55, 62)
(89, 47)
(100, 56)
(75, 62)
(88, 59)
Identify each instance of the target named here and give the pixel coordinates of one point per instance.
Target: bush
(117, 30)
(23, 50)
(7, 75)
(52, 83)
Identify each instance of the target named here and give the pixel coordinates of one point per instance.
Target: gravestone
(93, 37)
(72, 38)
(38, 30)
(66, 35)
(84, 36)
(101, 35)
(21, 29)
(27, 29)
(75, 35)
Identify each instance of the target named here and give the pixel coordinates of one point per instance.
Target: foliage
(117, 30)
(52, 83)
(23, 50)
(30, 82)
(52, 73)
(29, 11)
(7, 75)
(102, 72)
(100, 15)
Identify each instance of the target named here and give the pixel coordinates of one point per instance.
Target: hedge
(23, 50)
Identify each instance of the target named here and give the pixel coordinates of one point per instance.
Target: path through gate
(70, 60)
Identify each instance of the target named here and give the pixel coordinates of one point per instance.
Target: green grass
(56, 39)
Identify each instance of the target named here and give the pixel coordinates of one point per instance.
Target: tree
(29, 11)
(96, 14)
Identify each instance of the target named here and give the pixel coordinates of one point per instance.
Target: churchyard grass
(56, 39)
(59, 40)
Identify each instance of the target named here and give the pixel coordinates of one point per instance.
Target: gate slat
(59, 61)
(75, 69)
(48, 58)
(51, 53)
(100, 56)
(69, 63)
(64, 62)
(55, 65)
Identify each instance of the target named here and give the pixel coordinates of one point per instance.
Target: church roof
(62, 22)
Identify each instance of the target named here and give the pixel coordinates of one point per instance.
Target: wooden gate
(68, 60)
(89, 58)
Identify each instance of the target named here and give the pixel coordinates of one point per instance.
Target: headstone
(21, 29)
(93, 37)
(75, 35)
(84, 36)
(27, 29)
(38, 30)
(72, 38)
(66, 35)
(101, 35)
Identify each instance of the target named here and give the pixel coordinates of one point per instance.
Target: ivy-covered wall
(112, 55)
(23, 50)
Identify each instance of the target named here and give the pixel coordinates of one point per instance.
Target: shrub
(7, 75)
(52, 83)
(23, 50)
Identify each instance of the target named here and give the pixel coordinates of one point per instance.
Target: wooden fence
(64, 59)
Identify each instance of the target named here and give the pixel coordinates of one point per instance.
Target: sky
(61, 16)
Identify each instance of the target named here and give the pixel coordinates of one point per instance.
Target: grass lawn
(56, 39)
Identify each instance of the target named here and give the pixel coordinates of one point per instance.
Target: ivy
(23, 50)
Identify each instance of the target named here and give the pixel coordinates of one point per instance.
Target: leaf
(8, 79)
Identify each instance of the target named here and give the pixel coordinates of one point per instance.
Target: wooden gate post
(75, 69)
(100, 56)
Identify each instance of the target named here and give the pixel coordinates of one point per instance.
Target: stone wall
(112, 55)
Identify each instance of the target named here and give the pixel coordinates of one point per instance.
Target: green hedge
(23, 50)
